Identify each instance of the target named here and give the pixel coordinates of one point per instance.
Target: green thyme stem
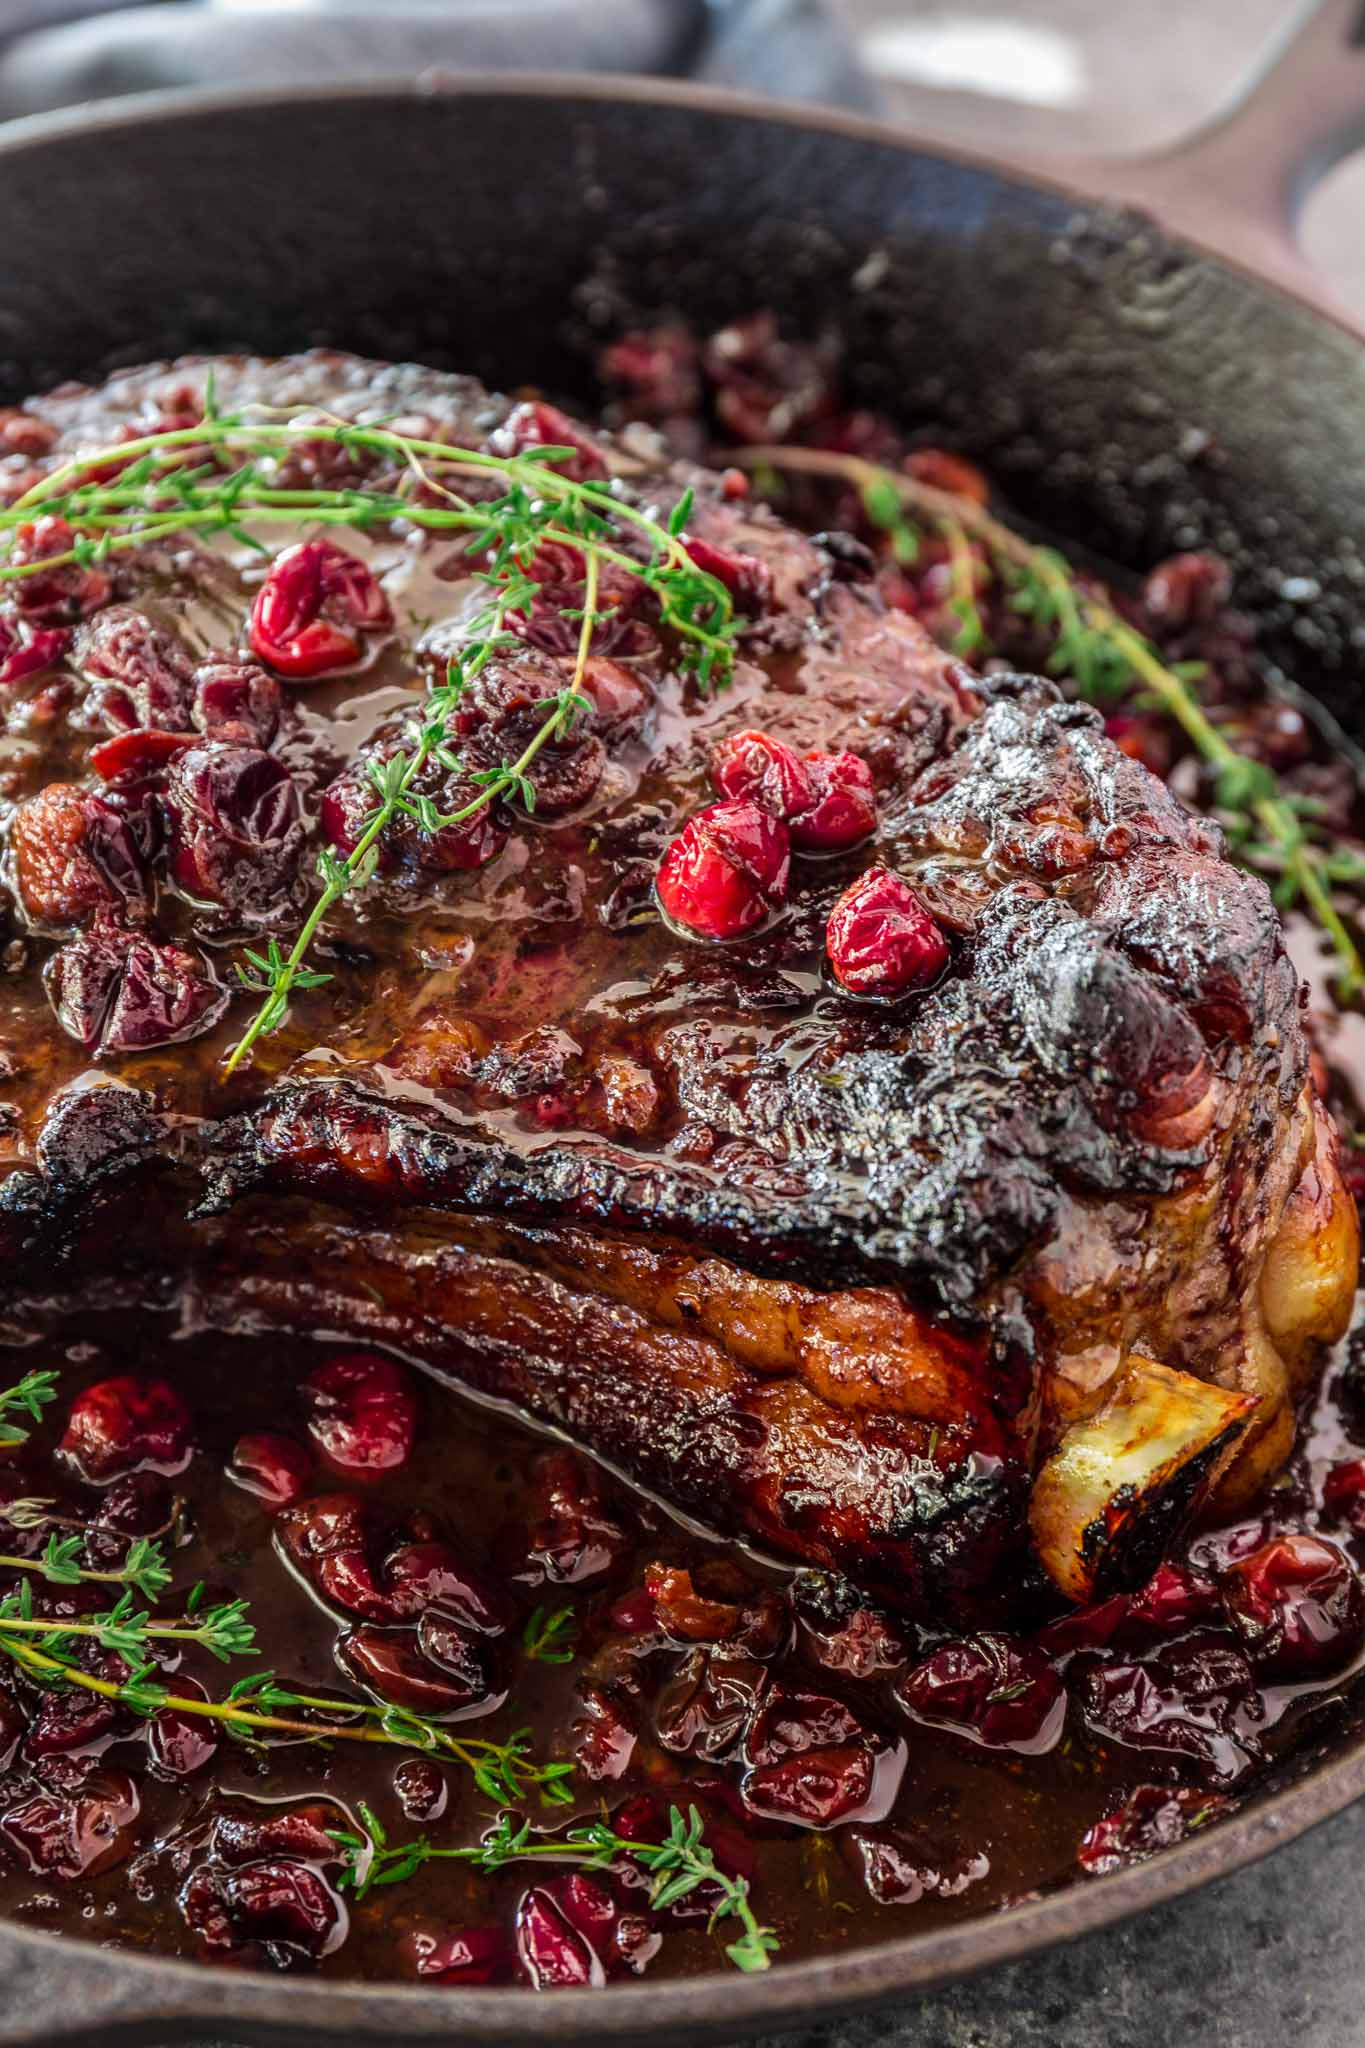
(1298, 860)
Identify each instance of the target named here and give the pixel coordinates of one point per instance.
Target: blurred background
(1015, 77)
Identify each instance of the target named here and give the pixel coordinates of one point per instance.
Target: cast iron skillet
(1130, 390)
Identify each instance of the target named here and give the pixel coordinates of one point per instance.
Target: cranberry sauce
(396, 1543)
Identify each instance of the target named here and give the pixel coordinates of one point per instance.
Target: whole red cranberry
(843, 811)
(754, 767)
(536, 425)
(604, 1735)
(1298, 1605)
(726, 872)
(125, 1423)
(993, 1689)
(274, 1468)
(1343, 1494)
(313, 609)
(362, 1411)
(326, 1538)
(25, 649)
(881, 939)
(1152, 1817)
(1197, 1707)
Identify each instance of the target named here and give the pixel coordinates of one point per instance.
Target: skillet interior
(1131, 394)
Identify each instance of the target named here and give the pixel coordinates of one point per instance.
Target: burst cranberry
(393, 1664)
(64, 593)
(753, 767)
(139, 755)
(285, 1905)
(996, 1691)
(844, 810)
(362, 1412)
(1174, 1598)
(25, 649)
(899, 1865)
(349, 803)
(235, 700)
(537, 425)
(313, 609)
(1343, 1494)
(1197, 1710)
(70, 1722)
(127, 1422)
(422, 1788)
(274, 1468)
(840, 1632)
(423, 1576)
(325, 1538)
(818, 1789)
(706, 1706)
(1152, 1817)
(577, 1539)
(881, 939)
(179, 1744)
(551, 1951)
(467, 1955)
(747, 578)
(72, 853)
(604, 1735)
(140, 671)
(1187, 590)
(1298, 1605)
(234, 825)
(726, 872)
(684, 1612)
(295, 1831)
(115, 991)
(78, 1834)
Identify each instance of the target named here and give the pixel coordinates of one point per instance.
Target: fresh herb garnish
(678, 1865)
(551, 1638)
(29, 1396)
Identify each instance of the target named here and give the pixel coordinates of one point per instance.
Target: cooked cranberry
(577, 1538)
(1174, 1598)
(843, 811)
(706, 1706)
(747, 578)
(139, 1504)
(140, 671)
(1187, 590)
(139, 755)
(67, 1722)
(684, 1612)
(551, 1951)
(655, 371)
(25, 649)
(726, 872)
(1343, 1494)
(419, 1576)
(179, 1744)
(881, 939)
(900, 1865)
(326, 1538)
(422, 1788)
(644, 1819)
(538, 425)
(74, 852)
(839, 1631)
(13, 1723)
(348, 804)
(285, 1905)
(235, 700)
(297, 1831)
(362, 1412)
(1199, 1711)
(467, 1955)
(234, 825)
(1143, 738)
(275, 1468)
(114, 991)
(604, 1735)
(391, 1663)
(122, 1423)
(78, 1834)
(23, 433)
(1298, 1605)
(64, 593)
(766, 389)
(1152, 1817)
(753, 767)
(313, 609)
(993, 1689)
(793, 1720)
(816, 1789)
(463, 1656)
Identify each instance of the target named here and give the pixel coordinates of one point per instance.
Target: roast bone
(1045, 1255)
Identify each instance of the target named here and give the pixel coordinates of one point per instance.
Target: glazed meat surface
(1037, 1255)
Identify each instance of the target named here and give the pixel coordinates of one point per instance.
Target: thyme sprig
(1104, 655)
(551, 1638)
(144, 1568)
(678, 1865)
(223, 1630)
(28, 1396)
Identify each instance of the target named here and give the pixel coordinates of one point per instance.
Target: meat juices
(934, 1194)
